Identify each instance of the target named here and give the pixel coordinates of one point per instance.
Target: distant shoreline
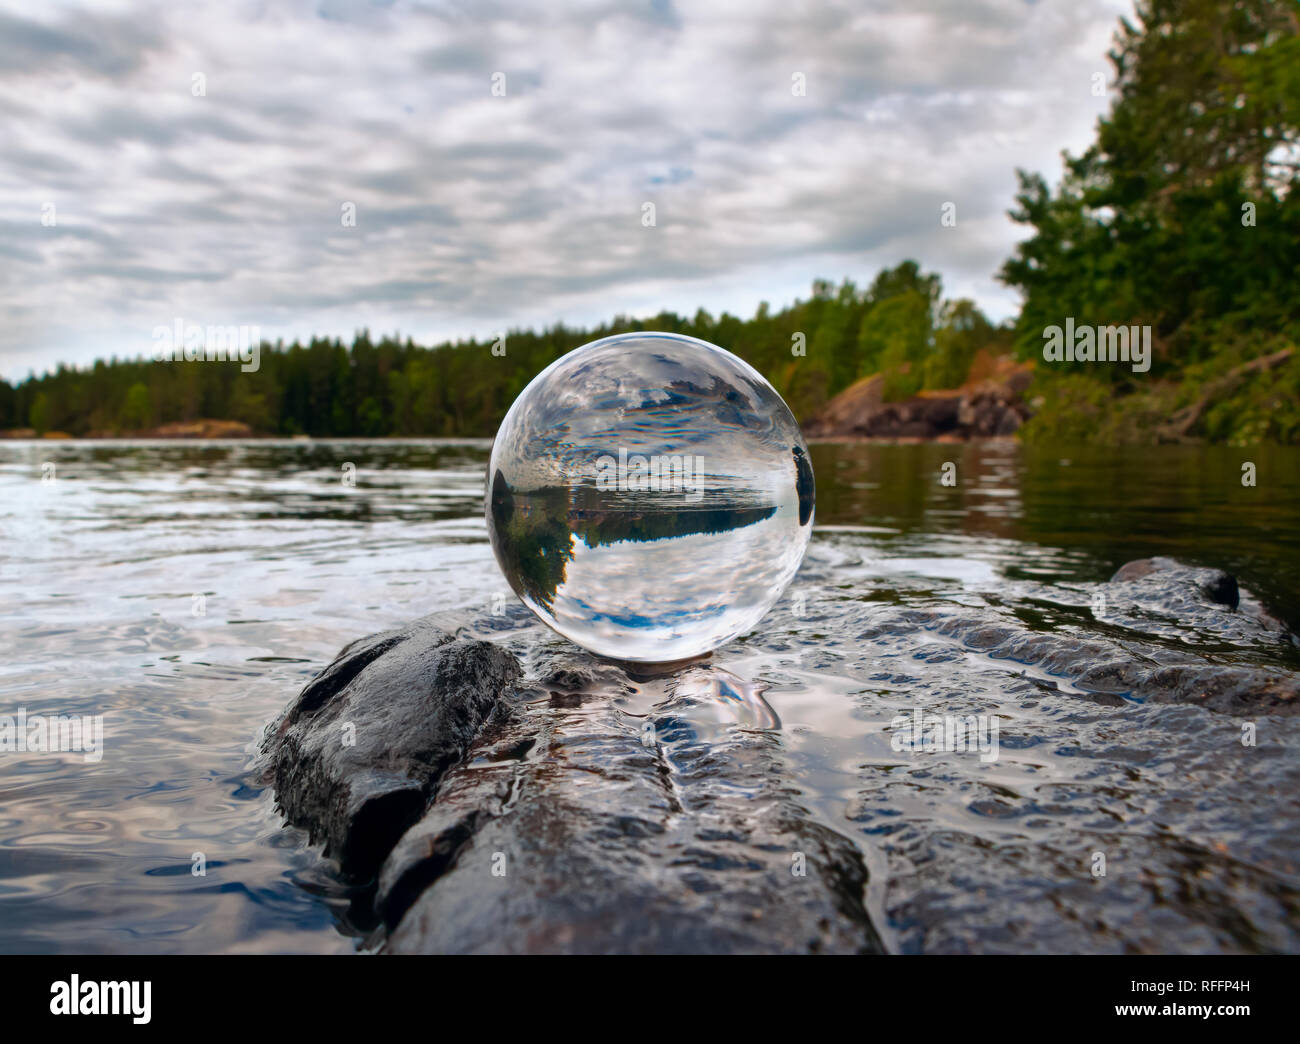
(56, 438)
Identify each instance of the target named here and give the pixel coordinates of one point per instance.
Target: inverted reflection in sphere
(649, 496)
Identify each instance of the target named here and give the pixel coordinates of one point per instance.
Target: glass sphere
(649, 496)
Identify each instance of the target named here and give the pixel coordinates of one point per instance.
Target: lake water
(186, 591)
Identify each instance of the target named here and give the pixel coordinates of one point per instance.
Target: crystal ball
(649, 496)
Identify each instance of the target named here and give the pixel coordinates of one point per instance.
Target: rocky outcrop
(31, 433)
(584, 832)
(520, 796)
(990, 408)
(205, 428)
(357, 756)
(594, 834)
(1146, 796)
(1170, 583)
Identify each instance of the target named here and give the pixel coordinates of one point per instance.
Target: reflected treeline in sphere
(649, 496)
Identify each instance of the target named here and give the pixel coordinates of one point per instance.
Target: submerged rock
(1172, 581)
(552, 802)
(1146, 795)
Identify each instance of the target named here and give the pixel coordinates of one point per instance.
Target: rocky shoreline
(206, 428)
(498, 795)
(992, 407)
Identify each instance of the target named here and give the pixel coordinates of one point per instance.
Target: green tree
(895, 339)
(1183, 215)
(38, 416)
(250, 406)
(962, 333)
(137, 411)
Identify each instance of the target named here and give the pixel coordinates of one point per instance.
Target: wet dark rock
(1112, 675)
(1165, 597)
(575, 833)
(560, 823)
(1149, 598)
(564, 671)
(357, 755)
(552, 802)
(1147, 794)
(1172, 581)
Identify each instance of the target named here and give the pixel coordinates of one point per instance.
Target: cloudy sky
(196, 161)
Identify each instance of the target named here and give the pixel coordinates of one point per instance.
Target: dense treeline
(1183, 217)
(810, 351)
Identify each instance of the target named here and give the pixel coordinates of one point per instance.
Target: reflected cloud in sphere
(650, 496)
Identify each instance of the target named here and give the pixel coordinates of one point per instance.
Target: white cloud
(476, 213)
